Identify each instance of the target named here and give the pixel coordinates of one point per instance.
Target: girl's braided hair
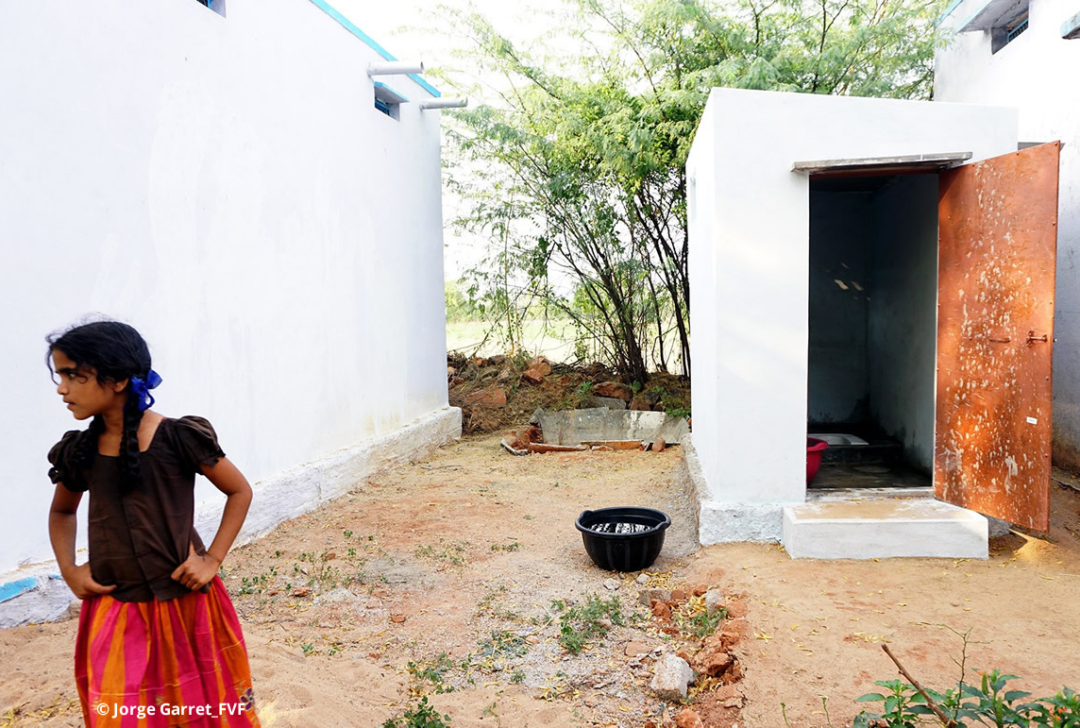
(114, 351)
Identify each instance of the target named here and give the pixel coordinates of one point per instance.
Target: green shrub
(422, 716)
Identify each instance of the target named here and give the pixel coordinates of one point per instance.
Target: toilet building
(880, 273)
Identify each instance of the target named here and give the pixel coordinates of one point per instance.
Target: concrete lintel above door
(910, 164)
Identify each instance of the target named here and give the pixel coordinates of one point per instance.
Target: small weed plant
(503, 643)
(452, 553)
(580, 624)
(678, 412)
(432, 671)
(990, 703)
(701, 624)
(422, 716)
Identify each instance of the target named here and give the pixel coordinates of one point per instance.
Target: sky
(394, 24)
(408, 29)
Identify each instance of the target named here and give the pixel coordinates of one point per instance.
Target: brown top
(137, 540)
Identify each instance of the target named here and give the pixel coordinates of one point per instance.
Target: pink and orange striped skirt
(178, 662)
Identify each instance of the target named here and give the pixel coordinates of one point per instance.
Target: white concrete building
(822, 296)
(232, 182)
(1026, 54)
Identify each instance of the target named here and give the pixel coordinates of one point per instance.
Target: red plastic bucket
(814, 448)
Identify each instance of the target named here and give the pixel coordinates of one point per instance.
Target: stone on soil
(617, 390)
(490, 397)
(534, 375)
(541, 365)
(671, 678)
(688, 719)
(714, 600)
(646, 596)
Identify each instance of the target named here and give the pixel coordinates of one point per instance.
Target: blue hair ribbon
(141, 387)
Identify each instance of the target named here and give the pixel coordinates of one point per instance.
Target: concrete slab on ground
(883, 526)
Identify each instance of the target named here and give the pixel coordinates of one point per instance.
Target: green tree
(578, 162)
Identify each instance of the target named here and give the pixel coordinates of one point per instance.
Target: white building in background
(1026, 54)
(232, 182)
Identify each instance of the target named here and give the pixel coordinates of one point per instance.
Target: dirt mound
(501, 391)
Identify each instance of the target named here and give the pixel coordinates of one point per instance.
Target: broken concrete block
(570, 427)
(671, 678)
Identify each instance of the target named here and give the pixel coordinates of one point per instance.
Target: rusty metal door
(997, 227)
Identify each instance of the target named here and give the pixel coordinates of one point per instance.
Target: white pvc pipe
(394, 68)
(444, 104)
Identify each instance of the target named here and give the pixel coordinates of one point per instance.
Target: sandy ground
(439, 578)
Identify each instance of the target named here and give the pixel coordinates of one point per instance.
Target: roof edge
(367, 39)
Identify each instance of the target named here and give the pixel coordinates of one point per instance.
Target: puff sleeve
(63, 469)
(197, 443)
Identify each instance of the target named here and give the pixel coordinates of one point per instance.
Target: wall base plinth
(36, 593)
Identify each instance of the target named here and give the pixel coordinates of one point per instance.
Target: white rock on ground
(671, 678)
(714, 599)
(611, 584)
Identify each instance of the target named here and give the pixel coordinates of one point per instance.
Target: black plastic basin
(629, 539)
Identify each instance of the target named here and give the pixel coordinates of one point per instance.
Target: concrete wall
(1035, 73)
(841, 240)
(750, 275)
(902, 350)
(226, 185)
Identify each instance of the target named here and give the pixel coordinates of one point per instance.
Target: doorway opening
(873, 328)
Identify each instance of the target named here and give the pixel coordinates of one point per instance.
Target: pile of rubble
(500, 391)
(706, 668)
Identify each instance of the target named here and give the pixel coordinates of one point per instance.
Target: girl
(159, 642)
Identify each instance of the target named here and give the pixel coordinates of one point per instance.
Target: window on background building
(1009, 30)
(388, 101)
(218, 6)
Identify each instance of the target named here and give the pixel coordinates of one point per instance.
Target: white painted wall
(226, 185)
(1036, 73)
(749, 263)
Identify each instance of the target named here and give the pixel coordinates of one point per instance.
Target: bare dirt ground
(446, 577)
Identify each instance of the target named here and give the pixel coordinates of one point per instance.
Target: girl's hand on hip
(197, 571)
(80, 581)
